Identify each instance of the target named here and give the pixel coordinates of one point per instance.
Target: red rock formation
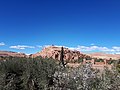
(54, 52)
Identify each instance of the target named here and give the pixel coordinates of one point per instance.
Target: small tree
(62, 57)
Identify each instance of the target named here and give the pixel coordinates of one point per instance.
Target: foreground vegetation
(46, 74)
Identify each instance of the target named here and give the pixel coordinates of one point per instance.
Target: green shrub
(118, 66)
(80, 60)
(45, 74)
(26, 73)
(99, 60)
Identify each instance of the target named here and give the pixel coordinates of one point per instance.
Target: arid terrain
(105, 55)
(13, 54)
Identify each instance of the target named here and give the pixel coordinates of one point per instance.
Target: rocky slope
(13, 54)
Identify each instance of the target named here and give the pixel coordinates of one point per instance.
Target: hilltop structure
(54, 52)
(71, 56)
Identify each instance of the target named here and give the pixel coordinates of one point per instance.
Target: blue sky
(80, 24)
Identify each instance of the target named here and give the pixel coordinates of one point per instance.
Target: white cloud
(39, 46)
(21, 47)
(117, 53)
(94, 48)
(2, 43)
(116, 48)
(87, 48)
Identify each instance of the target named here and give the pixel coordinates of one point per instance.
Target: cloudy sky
(85, 25)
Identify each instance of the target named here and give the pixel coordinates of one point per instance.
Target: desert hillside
(10, 53)
(104, 55)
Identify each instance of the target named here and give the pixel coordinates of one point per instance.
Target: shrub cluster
(85, 78)
(26, 73)
(46, 74)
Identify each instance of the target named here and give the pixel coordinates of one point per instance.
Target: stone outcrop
(13, 54)
(54, 52)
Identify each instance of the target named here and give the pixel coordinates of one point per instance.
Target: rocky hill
(54, 52)
(13, 54)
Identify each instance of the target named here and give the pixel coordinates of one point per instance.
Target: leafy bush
(99, 60)
(26, 73)
(45, 74)
(110, 80)
(118, 65)
(81, 78)
(80, 60)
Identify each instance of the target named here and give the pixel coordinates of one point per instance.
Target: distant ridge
(104, 55)
(11, 53)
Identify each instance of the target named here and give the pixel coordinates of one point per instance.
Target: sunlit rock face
(54, 52)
